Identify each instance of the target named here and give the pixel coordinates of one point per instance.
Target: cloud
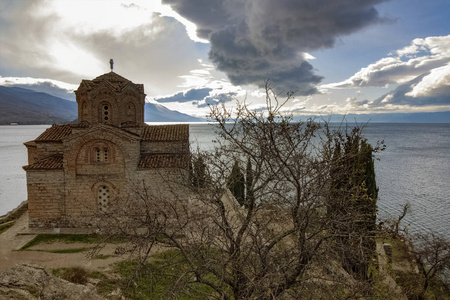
(404, 95)
(201, 97)
(189, 95)
(421, 57)
(52, 87)
(73, 40)
(256, 40)
(435, 84)
(420, 73)
(216, 99)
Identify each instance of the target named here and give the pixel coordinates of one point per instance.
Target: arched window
(84, 111)
(98, 155)
(130, 112)
(101, 154)
(103, 197)
(106, 113)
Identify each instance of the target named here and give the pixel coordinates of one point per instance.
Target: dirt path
(12, 240)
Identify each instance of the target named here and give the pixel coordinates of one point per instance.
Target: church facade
(76, 171)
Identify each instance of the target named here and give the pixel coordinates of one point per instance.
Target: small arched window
(106, 113)
(98, 156)
(101, 154)
(103, 198)
(84, 111)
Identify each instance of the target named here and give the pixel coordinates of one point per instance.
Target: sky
(338, 57)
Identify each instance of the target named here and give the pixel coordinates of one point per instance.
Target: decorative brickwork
(76, 171)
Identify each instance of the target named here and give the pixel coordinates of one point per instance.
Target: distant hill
(419, 117)
(28, 107)
(158, 113)
(23, 106)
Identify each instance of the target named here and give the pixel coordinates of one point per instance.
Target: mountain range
(27, 107)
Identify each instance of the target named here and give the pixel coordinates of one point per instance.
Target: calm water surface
(414, 169)
(13, 155)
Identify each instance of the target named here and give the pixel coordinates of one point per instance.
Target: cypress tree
(236, 183)
(198, 172)
(352, 197)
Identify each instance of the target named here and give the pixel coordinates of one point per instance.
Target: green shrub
(76, 275)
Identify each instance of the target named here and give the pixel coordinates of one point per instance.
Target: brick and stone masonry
(75, 171)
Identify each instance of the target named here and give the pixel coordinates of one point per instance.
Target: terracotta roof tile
(54, 162)
(178, 132)
(55, 133)
(164, 161)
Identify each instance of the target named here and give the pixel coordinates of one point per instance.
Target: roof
(164, 161)
(166, 133)
(55, 133)
(30, 144)
(160, 133)
(117, 81)
(54, 162)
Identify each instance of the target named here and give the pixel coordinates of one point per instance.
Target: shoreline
(13, 211)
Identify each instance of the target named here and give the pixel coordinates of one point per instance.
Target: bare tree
(392, 226)
(280, 244)
(431, 253)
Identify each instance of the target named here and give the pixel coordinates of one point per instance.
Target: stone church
(75, 171)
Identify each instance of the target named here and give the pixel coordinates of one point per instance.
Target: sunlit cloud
(422, 56)
(9, 81)
(419, 74)
(436, 83)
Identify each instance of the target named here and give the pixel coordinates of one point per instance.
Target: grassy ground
(63, 238)
(157, 279)
(87, 239)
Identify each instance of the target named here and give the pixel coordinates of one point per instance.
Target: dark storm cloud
(190, 95)
(255, 40)
(216, 99)
(199, 97)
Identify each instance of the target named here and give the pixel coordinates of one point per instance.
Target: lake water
(414, 169)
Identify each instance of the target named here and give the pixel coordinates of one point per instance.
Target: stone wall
(100, 162)
(45, 197)
(45, 149)
(83, 190)
(90, 184)
(32, 154)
